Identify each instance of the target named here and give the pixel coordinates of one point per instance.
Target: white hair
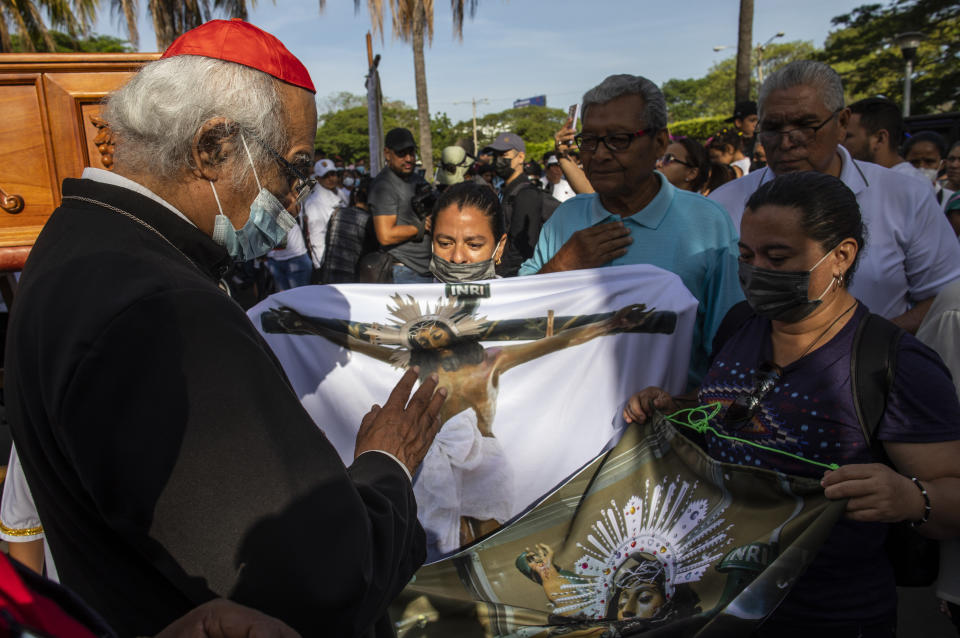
(810, 73)
(156, 115)
(614, 86)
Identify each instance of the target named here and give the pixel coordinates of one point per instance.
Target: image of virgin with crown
(639, 559)
(465, 485)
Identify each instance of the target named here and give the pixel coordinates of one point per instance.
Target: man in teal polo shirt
(636, 216)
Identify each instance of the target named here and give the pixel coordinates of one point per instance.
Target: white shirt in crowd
(942, 194)
(911, 250)
(19, 520)
(293, 247)
(743, 165)
(562, 191)
(906, 168)
(941, 331)
(317, 210)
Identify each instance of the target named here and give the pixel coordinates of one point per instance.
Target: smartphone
(574, 113)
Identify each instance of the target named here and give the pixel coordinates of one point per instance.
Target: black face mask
(502, 167)
(780, 295)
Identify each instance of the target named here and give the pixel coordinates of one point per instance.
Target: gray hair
(614, 86)
(156, 115)
(810, 73)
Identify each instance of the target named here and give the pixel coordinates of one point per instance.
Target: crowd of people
(171, 463)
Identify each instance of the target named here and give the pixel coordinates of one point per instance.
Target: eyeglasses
(741, 411)
(300, 184)
(614, 142)
(799, 136)
(670, 158)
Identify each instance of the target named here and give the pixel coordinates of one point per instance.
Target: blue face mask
(266, 228)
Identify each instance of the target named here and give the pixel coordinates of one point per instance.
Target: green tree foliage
(712, 95)
(534, 124)
(862, 49)
(25, 18)
(699, 128)
(343, 126)
(65, 43)
(344, 131)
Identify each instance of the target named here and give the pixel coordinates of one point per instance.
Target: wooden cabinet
(50, 130)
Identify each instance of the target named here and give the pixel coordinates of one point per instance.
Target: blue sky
(514, 49)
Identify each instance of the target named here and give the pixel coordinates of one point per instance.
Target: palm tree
(24, 17)
(412, 21)
(172, 18)
(744, 50)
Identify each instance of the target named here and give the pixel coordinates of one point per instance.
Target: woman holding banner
(783, 375)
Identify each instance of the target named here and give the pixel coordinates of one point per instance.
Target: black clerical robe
(170, 460)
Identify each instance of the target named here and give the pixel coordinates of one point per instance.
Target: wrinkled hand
(591, 248)
(405, 430)
(225, 619)
(563, 139)
(877, 493)
(643, 404)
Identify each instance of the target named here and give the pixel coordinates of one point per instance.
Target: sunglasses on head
(746, 406)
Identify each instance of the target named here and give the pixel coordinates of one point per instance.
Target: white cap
(323, 167)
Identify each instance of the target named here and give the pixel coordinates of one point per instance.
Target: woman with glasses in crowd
(685, 164)
(783, 377)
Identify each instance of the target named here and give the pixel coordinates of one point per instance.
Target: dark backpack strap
(738, 315)
(873, 364)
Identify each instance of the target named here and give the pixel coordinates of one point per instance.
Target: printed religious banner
(538, 369)
(652, 538)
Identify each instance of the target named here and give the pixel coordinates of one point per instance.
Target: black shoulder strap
(873, 363)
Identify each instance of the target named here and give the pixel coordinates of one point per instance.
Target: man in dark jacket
(522, 203)
(169, 458)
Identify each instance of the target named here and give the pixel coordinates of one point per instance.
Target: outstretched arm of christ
(347, 334)
(657, 321)
(635, 318)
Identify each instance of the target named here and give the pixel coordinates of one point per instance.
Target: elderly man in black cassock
(170, 460)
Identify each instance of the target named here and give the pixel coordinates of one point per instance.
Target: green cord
(699, 418)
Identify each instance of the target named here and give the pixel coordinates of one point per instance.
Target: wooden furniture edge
(12, 258)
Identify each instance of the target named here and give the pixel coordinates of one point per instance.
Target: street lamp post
(474, 101)
(760, 49)
(908, 43)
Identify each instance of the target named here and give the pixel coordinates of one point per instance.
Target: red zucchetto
(241, 42)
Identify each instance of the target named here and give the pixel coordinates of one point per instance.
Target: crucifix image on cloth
(446, 340)
(473, 479)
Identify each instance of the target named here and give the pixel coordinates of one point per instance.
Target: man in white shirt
(874, 134)
(318, 209)
(290, 265)
(556, 184)
(911, 251)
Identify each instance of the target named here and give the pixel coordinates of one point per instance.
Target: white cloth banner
(538, 370)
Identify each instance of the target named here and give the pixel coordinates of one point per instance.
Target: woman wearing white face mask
(469, 234)
(783, 378)
(926, 151)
